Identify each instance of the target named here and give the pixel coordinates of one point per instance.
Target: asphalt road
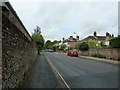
(42, 76)
(85, 73)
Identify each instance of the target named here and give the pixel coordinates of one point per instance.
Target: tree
(70, 48)
(37, 30)
(115, 42)
(83, 46)
(62, 46)
(48, 44)
(55, 41)
(54, 47)
(38, 38)
(92, 44)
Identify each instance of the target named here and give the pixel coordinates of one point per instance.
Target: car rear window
(74, 51)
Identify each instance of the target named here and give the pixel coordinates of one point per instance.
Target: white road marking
(58, 73)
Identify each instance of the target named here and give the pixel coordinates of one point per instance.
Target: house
(101, 39)
(71, 41)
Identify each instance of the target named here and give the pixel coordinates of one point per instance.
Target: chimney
(71, 37)
(95, 34)
(112, 35)
(63, 39)
(107, 34)
(77, 37)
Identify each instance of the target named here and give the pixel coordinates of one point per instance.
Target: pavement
(85, 73)
(42, 76)
(102, 60)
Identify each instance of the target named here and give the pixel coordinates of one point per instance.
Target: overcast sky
(62, 19)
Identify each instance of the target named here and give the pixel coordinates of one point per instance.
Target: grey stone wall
(0, 47)
(18, 52)
(113, 53)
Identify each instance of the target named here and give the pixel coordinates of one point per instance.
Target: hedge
(115, 42)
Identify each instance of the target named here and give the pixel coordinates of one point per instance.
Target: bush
(83, 46)
(115, 42)
(92, 44)
(98, 55)
(118, 59)
(70, 48)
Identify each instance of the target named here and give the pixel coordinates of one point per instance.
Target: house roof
(101, 37)
(95, 38)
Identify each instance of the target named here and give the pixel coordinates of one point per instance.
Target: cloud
(59, 20)
(51, 33)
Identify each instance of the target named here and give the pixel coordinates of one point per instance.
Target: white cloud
(59, 20)
(51, 33)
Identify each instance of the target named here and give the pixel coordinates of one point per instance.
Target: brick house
(101, 39)
(71, 41)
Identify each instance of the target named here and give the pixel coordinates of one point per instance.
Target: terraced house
(104, 40)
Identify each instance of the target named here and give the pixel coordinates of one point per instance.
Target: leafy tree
(37, 30)
(48, 44)
(70, 48)
(115, 42)
(83, 46)
(54, 42)
(38, 38)
(54, 47)
(62, 46)
(92, 44)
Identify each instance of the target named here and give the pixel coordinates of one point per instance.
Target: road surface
(85, 73)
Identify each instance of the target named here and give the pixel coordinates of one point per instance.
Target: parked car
(72, 53)
(69, 53)
(48, 50)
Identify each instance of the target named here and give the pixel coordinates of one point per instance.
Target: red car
(72, 53)
(69, 53)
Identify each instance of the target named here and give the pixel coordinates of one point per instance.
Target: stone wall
(19, 51)
(113, 53)
(0, 47)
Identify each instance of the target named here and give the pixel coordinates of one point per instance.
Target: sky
(63, 18)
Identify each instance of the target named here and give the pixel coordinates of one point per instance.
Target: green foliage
(92, 44)
(115, 42)
(48, 44)
(70, 48)
(62, 46)
(55, 41)
(54, 47)
(83, 46)
(98, 55)
(38, 38)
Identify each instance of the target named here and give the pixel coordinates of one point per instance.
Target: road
(85, 73)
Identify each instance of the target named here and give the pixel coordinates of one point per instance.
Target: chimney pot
(95, 34)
